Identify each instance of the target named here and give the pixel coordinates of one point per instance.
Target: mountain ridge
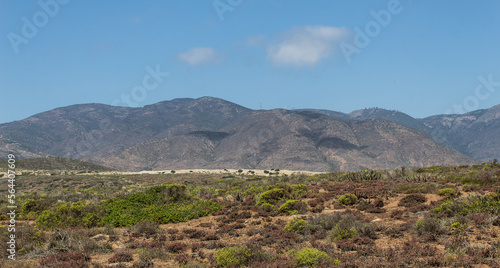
(214, 133)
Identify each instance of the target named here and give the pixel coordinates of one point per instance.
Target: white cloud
(307, 45)
(199, 55)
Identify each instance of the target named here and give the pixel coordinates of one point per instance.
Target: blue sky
(419, 57)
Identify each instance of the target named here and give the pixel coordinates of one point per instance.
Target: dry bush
(337, 223)
(210, 237)
(176, 247)
(121, 256)
(74, 240)
(28, 238)
(215, 245)
(397, 214)
(65, 260)
(198, 234)
(172, 231)
(412, 200)
(378, 203)
(189, 230)
(205, 225)
(429, 225)
(479, 219)
(152, 253)
(145, 227)
(176, 237)
(143, 263)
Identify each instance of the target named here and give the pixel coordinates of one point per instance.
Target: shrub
(447, 192)
(75, 240)
(341, 223)
(233, 256)
(71, 215)
(144, 262)
(458, 225)
(412, 200)
(272, 196)
(151, 253)
(32, 208)
(28, 238)
(348, 199)
(397, 214)
(378, 203)
(176, 247)
(172, 192)
(242, 256)
(145, 227)
(429, 225)
(292, 207)
(127, 211)
(488, 204)
(343, 230)
(299, 189)
(121, 256)
(66, 259)
(295, 225)
(311, 257)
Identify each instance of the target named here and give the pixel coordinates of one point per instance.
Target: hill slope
(476, 134)
(213, 133)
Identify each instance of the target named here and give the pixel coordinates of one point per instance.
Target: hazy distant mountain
(213, 133)
(476, 134)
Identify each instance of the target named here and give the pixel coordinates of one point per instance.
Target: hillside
(290, 140)
(475, 134)
(214, 133)
(54, 163)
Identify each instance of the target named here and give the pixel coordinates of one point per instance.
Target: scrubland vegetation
(426, 217)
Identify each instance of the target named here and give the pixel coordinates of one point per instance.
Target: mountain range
(213, 133)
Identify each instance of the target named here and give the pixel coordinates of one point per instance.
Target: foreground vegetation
(436, 216)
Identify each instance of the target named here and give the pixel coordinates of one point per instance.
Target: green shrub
(123, 212)
(267, 207)
(272, 196)
(295, 225)
(458, 225)
(242, 256)
(447, 192)
(343, 230)
(253, 190)
(423, 188)
(32, 208)
(159, 204)
(71, 215)
(311, 257)
(489, 204)
(233, 256)
(299, 189)
(292, 207)
(348, 199)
